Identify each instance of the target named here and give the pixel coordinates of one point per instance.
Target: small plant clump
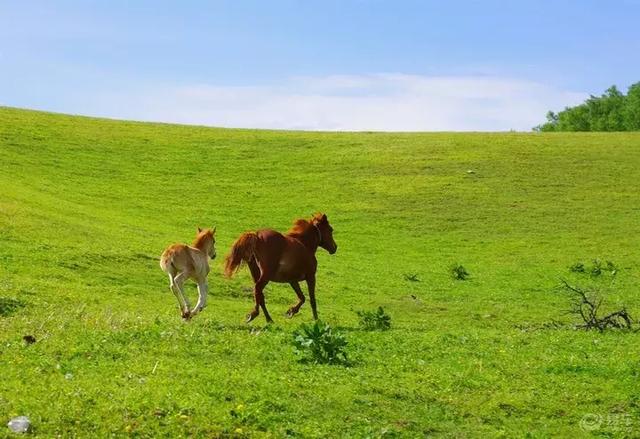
(597, 268)
(458, 272)
(375, 320)
(411, 277)
(8, 306)
(578, 267)
(320, 343)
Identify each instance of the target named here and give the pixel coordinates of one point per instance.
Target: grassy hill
(87, 206)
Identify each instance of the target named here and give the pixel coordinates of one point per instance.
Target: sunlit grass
(87, 206)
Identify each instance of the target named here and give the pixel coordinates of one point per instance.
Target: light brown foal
(182, 262)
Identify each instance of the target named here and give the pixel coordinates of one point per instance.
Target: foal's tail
(242, 251)
(166, 261)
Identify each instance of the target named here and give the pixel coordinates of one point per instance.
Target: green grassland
(87, 206)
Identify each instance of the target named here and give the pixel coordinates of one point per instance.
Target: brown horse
(182, 262)
(291, 258)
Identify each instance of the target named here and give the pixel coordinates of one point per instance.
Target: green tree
(632, 108)
(613, 111)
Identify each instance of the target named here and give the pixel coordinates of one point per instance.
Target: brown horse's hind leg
(261, 279)
(258, 295)
(295, 308)
(255, 270)
(256, 310)
(255, 274)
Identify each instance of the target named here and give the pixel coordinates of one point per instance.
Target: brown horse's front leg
(295, 308)
(311, 285)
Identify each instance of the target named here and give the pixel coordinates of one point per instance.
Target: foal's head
(321, 223)
(206, 241)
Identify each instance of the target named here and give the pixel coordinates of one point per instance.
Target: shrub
(458, 272)
(375, 320)
(597, 269)
(578, 267)
(8, 306)
(411, 277)
(611, 268)
(320, 343)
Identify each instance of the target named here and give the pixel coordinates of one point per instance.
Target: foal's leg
(295, 308)
(176, 292)
(179, 281)
(203, 289)
(311, 285)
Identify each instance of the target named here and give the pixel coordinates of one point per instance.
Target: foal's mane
(201, 238)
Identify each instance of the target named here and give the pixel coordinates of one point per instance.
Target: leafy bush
(578, 267)
(595, 270)
(375, 320)
(9, 306)
(320, 343)
(609, 268)
(411, 277)
(612, 111)
(612, 268)
(458, 272)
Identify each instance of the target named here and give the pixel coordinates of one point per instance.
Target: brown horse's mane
(301, 225)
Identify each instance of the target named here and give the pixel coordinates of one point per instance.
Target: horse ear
(214, 230)
(324, 217)
(199, 230)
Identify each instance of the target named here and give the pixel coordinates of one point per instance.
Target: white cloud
(380, 102)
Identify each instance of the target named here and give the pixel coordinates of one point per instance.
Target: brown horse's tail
(242, 251)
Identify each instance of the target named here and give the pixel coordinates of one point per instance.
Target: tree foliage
(613, 111)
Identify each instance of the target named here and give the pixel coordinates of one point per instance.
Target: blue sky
(351, 64)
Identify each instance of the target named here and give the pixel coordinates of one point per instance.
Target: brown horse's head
(206, 241)
(321, 223)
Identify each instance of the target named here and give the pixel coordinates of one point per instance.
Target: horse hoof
(289, 314)
(249, 318)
